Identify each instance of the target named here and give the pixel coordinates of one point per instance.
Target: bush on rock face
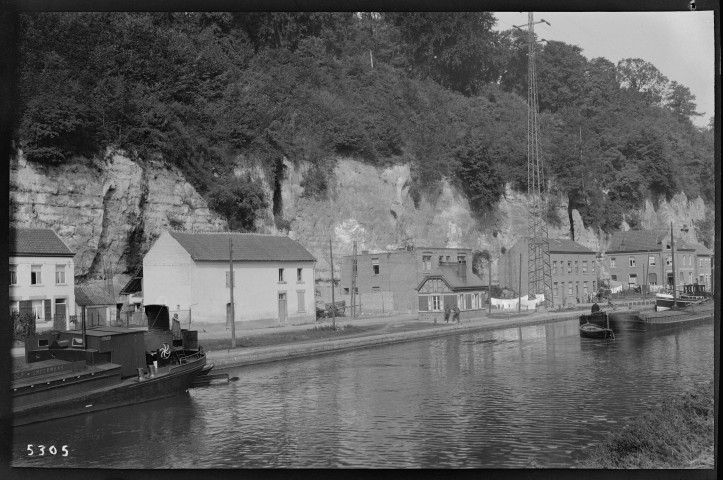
(238, 200)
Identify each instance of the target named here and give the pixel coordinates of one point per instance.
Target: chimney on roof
(462, 270)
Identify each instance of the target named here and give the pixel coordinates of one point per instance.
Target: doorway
(282, 308)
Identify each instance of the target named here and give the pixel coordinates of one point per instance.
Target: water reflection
(537, 395)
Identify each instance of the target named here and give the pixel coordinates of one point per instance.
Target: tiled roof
(643, 240)
(246, 246)
(702, 249)
(449, 274)
(87, 295)
(563, 245)
(135, 284)
(40, 242)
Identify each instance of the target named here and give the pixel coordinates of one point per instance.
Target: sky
(679, 44)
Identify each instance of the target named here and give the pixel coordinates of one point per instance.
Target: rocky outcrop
(107, 210)
(110, 210)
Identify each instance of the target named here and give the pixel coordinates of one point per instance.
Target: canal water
(536, 396)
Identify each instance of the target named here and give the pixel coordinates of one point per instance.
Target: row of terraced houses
(274, 277)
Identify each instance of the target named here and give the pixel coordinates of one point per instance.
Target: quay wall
(239, 358)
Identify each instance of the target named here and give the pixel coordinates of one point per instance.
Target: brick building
(42, 276)
(644, 258)
(572, 268)
(402, 271)
(704, 266)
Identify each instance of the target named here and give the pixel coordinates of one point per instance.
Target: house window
(584, 288)
(612, 262)
(576, 268)
(569, 267)
(298, 275)
(376, 289)
(690, 277)
(37, 309)
(475, 301)
(441, 259)
(434, 303)
(375, 266)
(554, 267)
(584, 267)
(426, 263)
(668, 260)
(461, 258)
(60, 274)
(592, 267)
(569, 288)
(346, 290)
(614, 278)
(461, 303)
(301, 305)
(700, 264)
(633, 280)
(651, 260)
(13, 274)
(281, 274)
(36, 277)
(631, 261)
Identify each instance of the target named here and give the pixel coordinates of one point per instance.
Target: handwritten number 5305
(39, 450)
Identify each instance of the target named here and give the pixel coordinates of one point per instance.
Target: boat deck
(677, 316)
(47, 371)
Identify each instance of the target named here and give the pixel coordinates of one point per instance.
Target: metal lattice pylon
(539, 278)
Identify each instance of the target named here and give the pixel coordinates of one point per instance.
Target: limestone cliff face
(110, 210)
(107, 210)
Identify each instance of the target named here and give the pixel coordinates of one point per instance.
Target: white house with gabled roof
(42, 277)
(273, 276)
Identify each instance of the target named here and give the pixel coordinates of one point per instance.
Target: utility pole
(489, 285)
(519, 302)
(538, 260)
(353, 280)
(333, 305)
(232, 311)
(672, 251)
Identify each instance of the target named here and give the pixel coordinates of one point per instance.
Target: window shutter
(423, 304)
(26, 306)
(300, 297)
(48, 312)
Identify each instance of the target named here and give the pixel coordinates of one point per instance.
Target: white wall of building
(172, 278)
(168, 274)
(48, 288)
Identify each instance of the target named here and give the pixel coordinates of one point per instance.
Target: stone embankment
(226, 359)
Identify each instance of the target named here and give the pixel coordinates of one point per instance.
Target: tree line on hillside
(441, 91)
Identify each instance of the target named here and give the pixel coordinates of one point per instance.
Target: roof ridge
(228, 233)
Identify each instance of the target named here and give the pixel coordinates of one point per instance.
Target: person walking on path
(456, 314)
(447, 312)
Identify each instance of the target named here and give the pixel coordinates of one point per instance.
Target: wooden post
(333, 305)
(231, 282)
